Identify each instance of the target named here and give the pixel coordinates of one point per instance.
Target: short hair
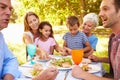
(72, 20)
(117, 4)
(91, 17)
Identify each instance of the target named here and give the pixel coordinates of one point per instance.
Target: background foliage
(55, 11)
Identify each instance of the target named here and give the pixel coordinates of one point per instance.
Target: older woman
(90, 21)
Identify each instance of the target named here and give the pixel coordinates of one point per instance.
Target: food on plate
(85, 67)
(62, 62)
(57, 53)
(41, 58)
(36, 69)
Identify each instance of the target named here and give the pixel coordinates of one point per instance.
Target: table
(61, 74)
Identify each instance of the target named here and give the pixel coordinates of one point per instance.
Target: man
(110, 15)
(8, 63)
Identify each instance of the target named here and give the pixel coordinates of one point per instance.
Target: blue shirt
(93, 41)
(8, 63)
(75, 42)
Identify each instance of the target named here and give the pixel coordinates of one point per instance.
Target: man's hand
(8, 77)
(48, 74)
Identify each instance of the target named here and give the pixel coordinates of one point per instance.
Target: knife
(66, 74)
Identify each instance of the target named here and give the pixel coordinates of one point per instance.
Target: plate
(93, 68)
(26, 71)
(42, 60)
(86, 60)
(59, 68)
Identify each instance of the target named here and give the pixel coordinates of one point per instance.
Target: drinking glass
(77, 55)
(31, 49)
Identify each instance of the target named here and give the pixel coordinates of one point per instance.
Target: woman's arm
(98, 59)
(52, 49)
(27, 39)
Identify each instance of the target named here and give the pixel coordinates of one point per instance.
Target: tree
(56, 11)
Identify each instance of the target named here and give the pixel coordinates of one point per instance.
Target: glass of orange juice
(77, 55)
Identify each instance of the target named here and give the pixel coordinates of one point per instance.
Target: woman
(31, 32)
(90, 21)
(31, 23)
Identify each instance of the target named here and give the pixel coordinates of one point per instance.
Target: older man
(8, 63)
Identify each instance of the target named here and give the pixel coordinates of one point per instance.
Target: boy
(74, 39)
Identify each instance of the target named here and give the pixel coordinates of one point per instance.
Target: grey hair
(91, 17)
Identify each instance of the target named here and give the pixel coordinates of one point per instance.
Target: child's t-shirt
(75, 42)
(45, 45)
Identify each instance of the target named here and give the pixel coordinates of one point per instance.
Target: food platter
(42, 60)
(60, 65)
(59, 68)
(29, 71)
(93, 68)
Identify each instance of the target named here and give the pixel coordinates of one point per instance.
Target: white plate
(94, 68)
(86, 60)
(42, 60)
(26, 71)
(59, 68)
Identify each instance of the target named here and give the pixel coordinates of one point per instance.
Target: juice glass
(77, 55)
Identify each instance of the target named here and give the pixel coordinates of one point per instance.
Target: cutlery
(66, 74)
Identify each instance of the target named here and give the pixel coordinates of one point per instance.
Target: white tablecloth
(61, 74)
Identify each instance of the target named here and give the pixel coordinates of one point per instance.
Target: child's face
(33, 22)
(73, 29)
(46, 31)
(88, 26)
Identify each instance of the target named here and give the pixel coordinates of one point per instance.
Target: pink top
(45, 45)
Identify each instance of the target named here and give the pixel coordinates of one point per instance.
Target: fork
(66, 74)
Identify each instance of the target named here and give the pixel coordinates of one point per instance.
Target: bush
(19, 51)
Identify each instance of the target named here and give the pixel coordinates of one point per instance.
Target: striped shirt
(75, 42)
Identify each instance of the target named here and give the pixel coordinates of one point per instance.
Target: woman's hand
(48, 74)
(93, 58)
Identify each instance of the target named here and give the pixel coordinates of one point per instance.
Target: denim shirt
(8, 62)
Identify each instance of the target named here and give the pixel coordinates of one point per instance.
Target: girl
(46, 40)
(31, 23)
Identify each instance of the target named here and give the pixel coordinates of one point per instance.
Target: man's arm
(10, 64)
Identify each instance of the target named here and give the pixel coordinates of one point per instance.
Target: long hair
(26, 25)
(41, 26)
